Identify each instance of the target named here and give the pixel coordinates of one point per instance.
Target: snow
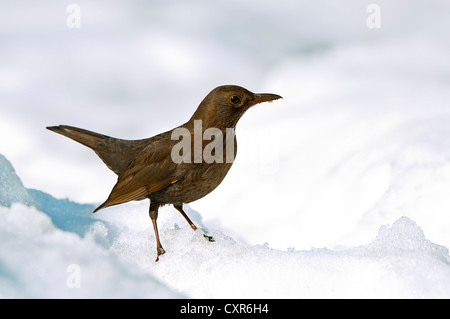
(37, 261)
(351, 201)
(112, 255)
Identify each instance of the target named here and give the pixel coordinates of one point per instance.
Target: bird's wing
(151, 171)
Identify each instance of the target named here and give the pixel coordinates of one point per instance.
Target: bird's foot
(209, 238)
(159, 251)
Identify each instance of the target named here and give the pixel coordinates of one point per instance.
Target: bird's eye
(235, 99)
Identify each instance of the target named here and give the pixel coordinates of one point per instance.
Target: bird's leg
(153, 213)
(180, 209)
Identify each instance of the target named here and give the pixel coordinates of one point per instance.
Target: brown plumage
(146, 168)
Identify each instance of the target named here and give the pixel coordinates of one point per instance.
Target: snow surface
(115, 257)
(360, 140)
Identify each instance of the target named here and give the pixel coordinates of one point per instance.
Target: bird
(152, 168)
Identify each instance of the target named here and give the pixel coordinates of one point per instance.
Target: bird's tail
(116, 153)
(85, 137)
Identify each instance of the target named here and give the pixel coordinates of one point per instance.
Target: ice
(38, 249)
(65, 214)
(11, 187)
(38, 261)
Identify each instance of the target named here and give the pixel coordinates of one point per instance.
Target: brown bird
(160, 168)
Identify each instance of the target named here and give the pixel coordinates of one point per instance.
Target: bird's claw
(159, 251)
(209, 238)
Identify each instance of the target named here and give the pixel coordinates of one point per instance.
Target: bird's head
(224, 105)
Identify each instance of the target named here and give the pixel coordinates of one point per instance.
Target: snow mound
(114, 257)
(399, 263)
(38, 260)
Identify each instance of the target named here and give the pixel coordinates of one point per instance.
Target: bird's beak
(265, 97)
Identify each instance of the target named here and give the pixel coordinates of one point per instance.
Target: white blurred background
(361, 137)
